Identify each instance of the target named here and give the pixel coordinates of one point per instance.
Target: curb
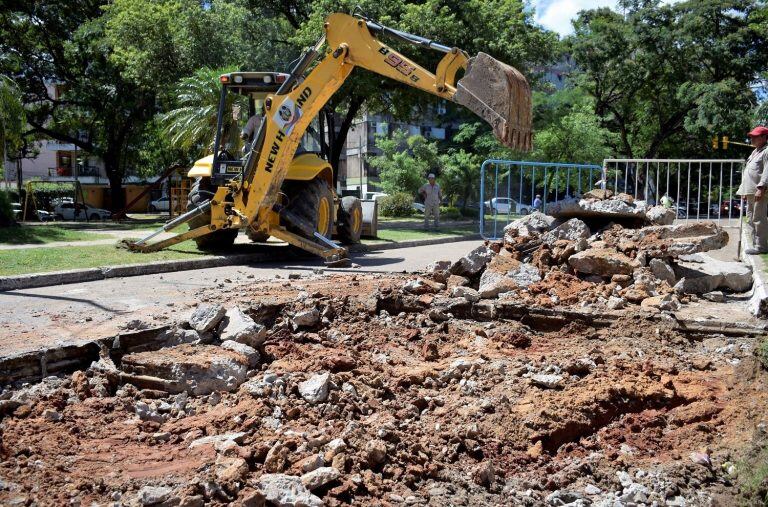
(758, 302)
(410, 244)
(34, 280)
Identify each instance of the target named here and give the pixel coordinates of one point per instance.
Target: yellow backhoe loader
(278, 190)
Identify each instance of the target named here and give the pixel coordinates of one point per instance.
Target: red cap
(758, 131)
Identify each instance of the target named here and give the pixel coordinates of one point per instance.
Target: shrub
(450, 213)
(6, 211)
(397, 205)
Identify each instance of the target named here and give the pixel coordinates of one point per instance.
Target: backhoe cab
(280, 183)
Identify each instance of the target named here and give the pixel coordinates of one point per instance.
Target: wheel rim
(323, 217)
(357, 220)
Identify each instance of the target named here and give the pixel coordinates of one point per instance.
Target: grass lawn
(44, 234)
(416, 233)
(39, 260)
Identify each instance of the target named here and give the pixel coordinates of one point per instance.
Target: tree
(664, 78)
(503, 28)
(405, 162)
(72, 91)
(460, 178)
(12, 118)
(192, 125)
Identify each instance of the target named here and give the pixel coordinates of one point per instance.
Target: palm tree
(192, 126)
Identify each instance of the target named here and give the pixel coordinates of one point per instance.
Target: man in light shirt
(432, 195)
(754, 181)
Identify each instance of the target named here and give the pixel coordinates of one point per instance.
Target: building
(356, 176)
(58, 161)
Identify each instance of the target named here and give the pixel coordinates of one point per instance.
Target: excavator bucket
(500, 95)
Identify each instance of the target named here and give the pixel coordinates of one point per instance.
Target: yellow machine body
(254, 200)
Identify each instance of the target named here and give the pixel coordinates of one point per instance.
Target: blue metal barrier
(518, 177)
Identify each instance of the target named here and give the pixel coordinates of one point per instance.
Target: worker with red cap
(754, 183)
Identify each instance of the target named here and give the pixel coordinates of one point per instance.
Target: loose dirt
(436, 411)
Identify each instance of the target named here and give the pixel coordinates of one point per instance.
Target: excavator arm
(496, 92)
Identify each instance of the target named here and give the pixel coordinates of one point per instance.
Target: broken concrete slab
(206, 317)
(537, 222)
(197, 369)
(662, 271)
(602, 262)
(572, 230)
(472, 263)
(659, 215)
(595, 208)
(239, 327)
(315, 390)
(248, 352)
(701, 273)
(664, 241)
(287, 490)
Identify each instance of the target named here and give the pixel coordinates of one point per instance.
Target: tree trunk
(337, 144)
(117, 196)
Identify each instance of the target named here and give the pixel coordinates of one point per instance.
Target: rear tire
(350, 220)
(202, 191)
(312, 201)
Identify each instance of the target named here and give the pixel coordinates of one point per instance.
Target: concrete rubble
(542, 369)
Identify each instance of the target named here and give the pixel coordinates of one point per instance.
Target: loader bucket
(500, 95)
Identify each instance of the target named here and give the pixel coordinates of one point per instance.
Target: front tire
(202, 191)
(350, 220)
(312, 201)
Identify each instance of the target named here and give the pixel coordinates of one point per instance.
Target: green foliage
(397, 205)
(576, 137)
(6, 211)
(192, 125)
(753, 475)
(667, 77)
(12, 117)
(460, 178)
(405, 162)
(450, 213)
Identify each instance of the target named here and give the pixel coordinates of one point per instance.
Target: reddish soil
(446, 399)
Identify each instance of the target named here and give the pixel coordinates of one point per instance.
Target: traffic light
(725, 142)
(714, 143)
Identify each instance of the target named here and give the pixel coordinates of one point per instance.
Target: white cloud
(556, 15)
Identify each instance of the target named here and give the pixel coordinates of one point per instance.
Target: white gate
(700, 189)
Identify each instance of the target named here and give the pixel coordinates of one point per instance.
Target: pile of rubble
(390, 390)
(587, 253)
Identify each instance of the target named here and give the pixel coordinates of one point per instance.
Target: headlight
(238, 79)
(267, 79)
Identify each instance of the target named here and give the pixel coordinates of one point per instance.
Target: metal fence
(508, 189)
(698, 189)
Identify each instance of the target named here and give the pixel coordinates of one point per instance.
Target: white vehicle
(18, 211)
(162, 204)
(418, 207)
(375, 196)
(505, 206)
(73, 211)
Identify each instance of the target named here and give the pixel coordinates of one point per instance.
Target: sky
(557, 14)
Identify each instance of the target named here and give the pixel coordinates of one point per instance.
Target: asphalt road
(48, 316)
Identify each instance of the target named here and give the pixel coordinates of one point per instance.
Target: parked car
(162, 204)
(76, 211)
(418, 207)
(504, 205)
(18, 210)
(730, 208)
(375, 196)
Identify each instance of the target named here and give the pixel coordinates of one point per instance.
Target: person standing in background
(754, 180)
(432, 195)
